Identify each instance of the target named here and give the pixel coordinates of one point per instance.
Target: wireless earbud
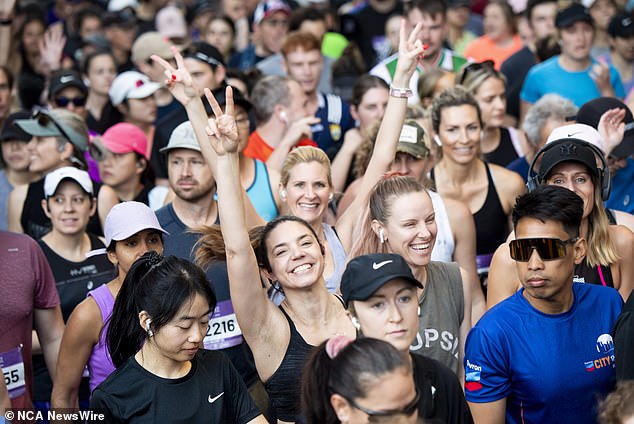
(283, 194)
(355, 323)
(284, 117)
(381, 236)
(437, 140)
(147, 327)
(330, 197)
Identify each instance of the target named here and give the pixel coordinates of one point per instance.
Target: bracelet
(402, 93)
(6, 22)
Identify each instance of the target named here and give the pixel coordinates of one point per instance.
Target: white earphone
(284, 117)
(147, 327)
(283, 194)
(381, 236)
(437, 140)
(355, 323)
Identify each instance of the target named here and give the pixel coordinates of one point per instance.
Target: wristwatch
(402, 93)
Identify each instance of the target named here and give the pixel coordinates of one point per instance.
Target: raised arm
(258, 317)
(180, 83)
(410, 50)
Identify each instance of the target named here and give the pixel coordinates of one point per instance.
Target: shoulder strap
(515, 139)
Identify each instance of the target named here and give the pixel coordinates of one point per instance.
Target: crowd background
(402, 129)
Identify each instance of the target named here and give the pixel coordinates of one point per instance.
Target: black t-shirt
(441, 397)
(180, 242)
(212, 392)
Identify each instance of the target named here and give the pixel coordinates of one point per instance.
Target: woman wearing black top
(155, 333)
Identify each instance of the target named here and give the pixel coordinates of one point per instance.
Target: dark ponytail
(347, 368)
(159, 286)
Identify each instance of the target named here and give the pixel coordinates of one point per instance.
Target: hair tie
(153, 260)
(334, 345)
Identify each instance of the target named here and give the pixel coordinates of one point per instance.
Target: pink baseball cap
(125, 138)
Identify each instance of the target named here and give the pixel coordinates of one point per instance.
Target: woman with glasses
(381, 295)
(358, 381)
(572, 163)
(60, 139)
(500, 144)
(488, 190)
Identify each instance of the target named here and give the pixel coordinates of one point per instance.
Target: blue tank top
(260, 193)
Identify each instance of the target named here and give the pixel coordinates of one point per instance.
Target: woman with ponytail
(358, 381)
(157, 326)
(131, 230)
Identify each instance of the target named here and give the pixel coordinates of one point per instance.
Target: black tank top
(505, 152)
(34, 221)
(600, 274)
(283, 386)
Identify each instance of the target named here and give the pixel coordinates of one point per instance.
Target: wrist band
(5, 22)
(402, 93)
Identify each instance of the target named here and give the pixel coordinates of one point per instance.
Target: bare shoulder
(509, 185)
(624, 218)
(86, 320)
(622, 237)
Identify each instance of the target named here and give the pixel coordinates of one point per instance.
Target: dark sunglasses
(547, 248)
(408, 410)
(44, 119)
(63, 101)
(474, 67)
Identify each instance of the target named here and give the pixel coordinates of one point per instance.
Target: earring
(381, 236)
(150, 333)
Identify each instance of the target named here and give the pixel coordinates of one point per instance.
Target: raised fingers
(214, 103)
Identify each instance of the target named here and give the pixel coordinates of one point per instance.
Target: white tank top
(444, 246)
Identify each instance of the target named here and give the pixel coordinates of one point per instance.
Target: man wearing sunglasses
(68, 91)
(545, 354)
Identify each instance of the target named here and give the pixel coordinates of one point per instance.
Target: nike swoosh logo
(212, 400)
(66, 79)
(380, 264)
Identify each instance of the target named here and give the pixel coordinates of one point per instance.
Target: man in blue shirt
(545, 354)
(573, 74)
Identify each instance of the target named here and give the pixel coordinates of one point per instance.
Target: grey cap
(51, 124)
(182, 137)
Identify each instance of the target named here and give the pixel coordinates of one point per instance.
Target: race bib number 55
(13, 371)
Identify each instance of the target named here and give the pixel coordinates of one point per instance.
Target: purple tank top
(100, 364)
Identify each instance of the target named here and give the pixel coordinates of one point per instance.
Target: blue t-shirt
(551, 368)
(622, 194)
(550, 77)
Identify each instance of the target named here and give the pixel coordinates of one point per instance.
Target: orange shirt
(259, 149)
(483, 48)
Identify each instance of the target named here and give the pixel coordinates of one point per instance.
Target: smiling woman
(166, 312)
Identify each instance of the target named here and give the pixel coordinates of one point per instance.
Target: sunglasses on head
(44, 119)
(407, 410)
(474, 67)
(63, 101)
(547, 248)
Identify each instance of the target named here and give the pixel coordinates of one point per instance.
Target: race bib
(13, 371)
(223, 331)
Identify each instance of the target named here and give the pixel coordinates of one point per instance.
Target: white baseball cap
(182, 137)
(131, 85)
(53, 179)
(128, 218)
(581, 132)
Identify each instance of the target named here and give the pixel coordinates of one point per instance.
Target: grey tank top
(440, 315)
(339, 258)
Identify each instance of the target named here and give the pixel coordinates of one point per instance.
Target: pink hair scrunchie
(335, 344)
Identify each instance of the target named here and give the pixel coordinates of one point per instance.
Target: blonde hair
(379, 208)
(304, 154)
(601, 250)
